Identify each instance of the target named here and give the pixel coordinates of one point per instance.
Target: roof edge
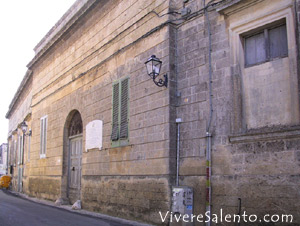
(66, 21)
(18, 93)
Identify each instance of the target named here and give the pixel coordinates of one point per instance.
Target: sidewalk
(82, 212)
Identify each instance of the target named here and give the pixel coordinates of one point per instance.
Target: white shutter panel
(41, 136)
(21, 149)
(45, 134)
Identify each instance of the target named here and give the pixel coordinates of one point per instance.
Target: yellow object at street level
(5, 181)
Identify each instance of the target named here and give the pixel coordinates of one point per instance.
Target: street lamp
(24, 129)
(153, 65)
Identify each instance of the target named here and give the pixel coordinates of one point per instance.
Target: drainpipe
(208, 133)
(178, 121)
(208, 176)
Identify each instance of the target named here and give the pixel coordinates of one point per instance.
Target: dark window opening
(75, 125)
(266, 44)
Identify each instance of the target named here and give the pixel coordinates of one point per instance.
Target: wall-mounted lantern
(153, 65)
(24, 129)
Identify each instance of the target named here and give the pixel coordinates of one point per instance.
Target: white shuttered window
(43, 134)
(20, 150)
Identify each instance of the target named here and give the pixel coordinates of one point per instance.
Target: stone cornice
(266, 134)
(234, 6)
(68, 19)
(18, 93)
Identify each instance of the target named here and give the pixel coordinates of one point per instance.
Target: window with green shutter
(120, 110)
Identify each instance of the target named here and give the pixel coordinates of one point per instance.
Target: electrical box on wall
(182, 204)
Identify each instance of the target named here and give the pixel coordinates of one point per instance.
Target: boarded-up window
(266, 44)
(43, 136)
(255, 49)
(278, 42)
(119, 135)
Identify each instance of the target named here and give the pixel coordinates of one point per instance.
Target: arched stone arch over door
(71, 180)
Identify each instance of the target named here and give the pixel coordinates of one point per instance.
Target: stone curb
(82, 212)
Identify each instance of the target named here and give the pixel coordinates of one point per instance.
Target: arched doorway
(73, 155)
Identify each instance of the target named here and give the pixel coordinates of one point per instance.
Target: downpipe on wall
(178, 121)
(208, 132)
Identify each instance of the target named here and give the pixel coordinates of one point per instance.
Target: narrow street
(15, 211)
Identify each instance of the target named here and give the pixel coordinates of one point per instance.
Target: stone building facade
(100, 131)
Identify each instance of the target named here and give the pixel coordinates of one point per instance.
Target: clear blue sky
(23, 24)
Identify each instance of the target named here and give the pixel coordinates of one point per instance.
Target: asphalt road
(15, 211)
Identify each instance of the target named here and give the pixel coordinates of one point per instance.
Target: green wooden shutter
(115, 113)
(124, 109)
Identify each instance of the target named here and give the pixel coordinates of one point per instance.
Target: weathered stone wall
(113, 40)
(265, 174)
(297, 6)
(45, 188)
(77, 74)
(11, 160)
(21, 107)
(192, 84)
(18, 112)
(260, 167)
(127, 196)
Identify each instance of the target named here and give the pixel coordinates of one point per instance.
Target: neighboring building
(19, 144)
(3, 159)
(105, 134)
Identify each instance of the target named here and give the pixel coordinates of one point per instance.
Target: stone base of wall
(138, 198)
(44, 187)
(264, 173)
(261, 196)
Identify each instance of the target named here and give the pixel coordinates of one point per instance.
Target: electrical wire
(168, 13)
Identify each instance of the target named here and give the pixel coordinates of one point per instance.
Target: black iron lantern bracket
(153, 66)
(162, 82)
